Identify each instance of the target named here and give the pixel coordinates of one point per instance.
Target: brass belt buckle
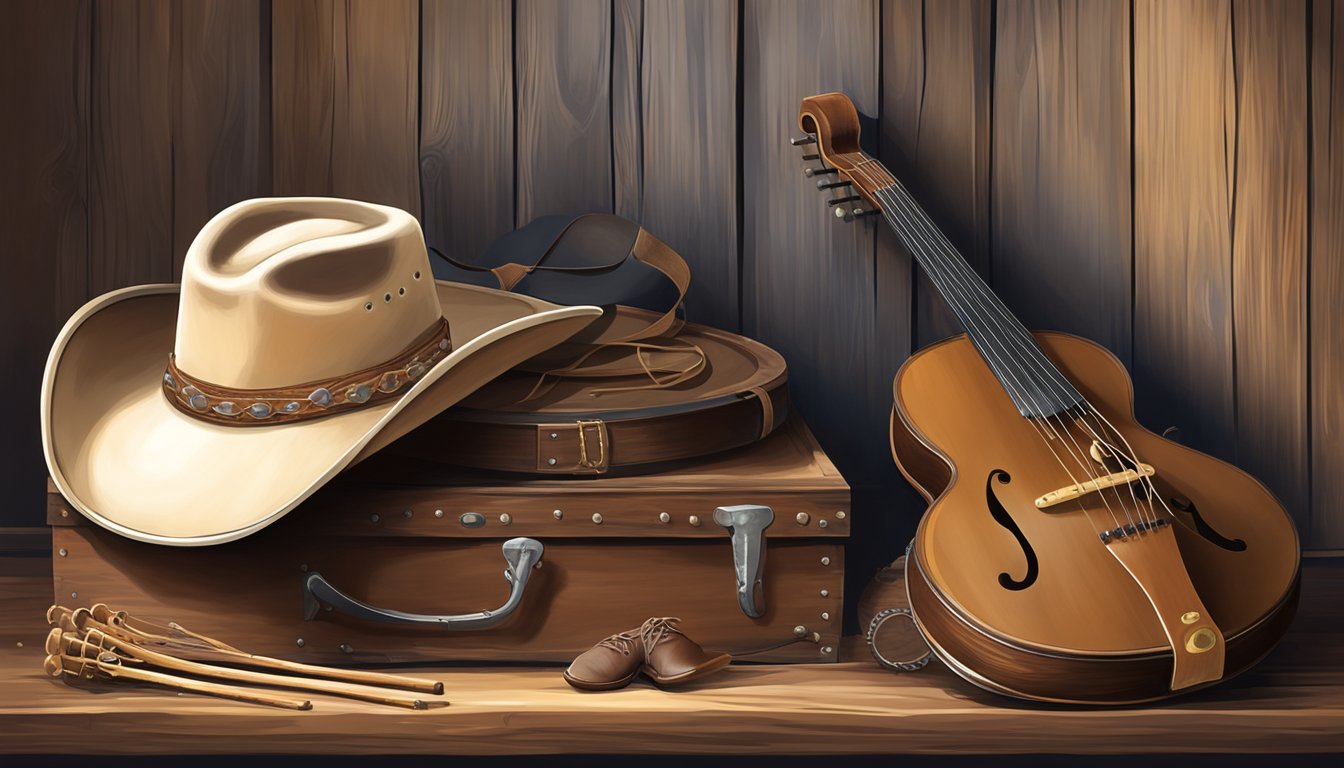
(598, 463)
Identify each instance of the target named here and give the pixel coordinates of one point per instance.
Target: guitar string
(992, 357)
(1017, 387)
(1026, 348)
(1022, 340)
(1076, 452)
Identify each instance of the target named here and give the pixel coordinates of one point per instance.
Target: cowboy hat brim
(131, 462)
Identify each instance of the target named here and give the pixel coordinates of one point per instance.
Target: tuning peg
(859, 213)
(801, 140)
(850, 214)
(810, 172)
(843, 200)
(823, 184)
(809, 158)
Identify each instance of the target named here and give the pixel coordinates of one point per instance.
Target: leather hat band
(315, 399)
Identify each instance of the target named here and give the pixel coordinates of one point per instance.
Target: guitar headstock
(831, 125)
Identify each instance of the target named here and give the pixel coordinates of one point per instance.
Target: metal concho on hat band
(256, 407)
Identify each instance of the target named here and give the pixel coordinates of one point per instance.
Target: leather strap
(767, 410)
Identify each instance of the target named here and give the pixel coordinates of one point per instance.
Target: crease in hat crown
(277, 292)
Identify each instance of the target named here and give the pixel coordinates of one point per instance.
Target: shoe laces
(621, 642)
(657, 630)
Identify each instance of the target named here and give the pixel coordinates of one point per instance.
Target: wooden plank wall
(1165, 178)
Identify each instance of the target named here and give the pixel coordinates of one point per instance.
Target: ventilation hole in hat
(368, 306)
(401, 291)
(387, 297)
(417, 274)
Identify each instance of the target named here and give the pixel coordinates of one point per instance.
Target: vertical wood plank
(44, 74)
(1327, 274)
(808, 278)
(303, 87)
(132, 145)
(627, 107)
(1061, 186)
(1269, 259)
(563, 64)
(1184, 150)
(466, 114)
(221, 113)
(375, 136)
(935, 130)
(690, 146)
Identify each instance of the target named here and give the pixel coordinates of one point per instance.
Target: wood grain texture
(627, 108)
(221, 113)
(131, 196)
(690, 165)
(798, 260)
(563, 74)
(375, 135)
(1326, 283)
(690, 193)
(1269, 248)
(1061, 219)
(936, 119)
(44, 74)
(1184, 151)
(303, 88)
(346, 94)
(466, 124)
(1289, 703)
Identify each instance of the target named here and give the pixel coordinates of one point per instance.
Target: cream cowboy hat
(307, 333)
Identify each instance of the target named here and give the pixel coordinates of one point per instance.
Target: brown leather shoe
(610, 664)
(672, 658)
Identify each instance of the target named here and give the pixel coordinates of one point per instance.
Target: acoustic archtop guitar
(1067, 554)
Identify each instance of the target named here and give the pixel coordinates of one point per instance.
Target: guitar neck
(1036, 386)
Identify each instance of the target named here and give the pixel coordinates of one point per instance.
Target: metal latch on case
(747, 524)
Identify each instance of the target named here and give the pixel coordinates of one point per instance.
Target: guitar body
(1030, 602)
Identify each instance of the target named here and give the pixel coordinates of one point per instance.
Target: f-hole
(1002, 517)
(1204, 529)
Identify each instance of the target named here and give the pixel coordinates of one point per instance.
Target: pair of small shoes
(657, 648)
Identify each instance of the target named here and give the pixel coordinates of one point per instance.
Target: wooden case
(429, 540)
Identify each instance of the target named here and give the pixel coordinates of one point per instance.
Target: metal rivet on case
(597, 518)
(839, 514)
(65, 513)
(374, 518)
(825, 593)
(347, 648)
(74, 594)
(407, 514)
(801, 518)
(299, 642)
(825, 561)
(694, 520)
(505, 519)
(800, 630)
(554, 435)
(822, 523)
(825, 616)
(557, 514)
(63, 551)
(438, 513)
(663, 517)
(551, 461)
(826, 649)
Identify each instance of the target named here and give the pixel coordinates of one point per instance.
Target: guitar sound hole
(1002, 517)
(1203, 528)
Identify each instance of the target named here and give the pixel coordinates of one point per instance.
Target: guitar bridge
(1078, 490)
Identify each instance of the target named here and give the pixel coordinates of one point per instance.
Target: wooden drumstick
(60, 665)
(170, 638)
(99, 640)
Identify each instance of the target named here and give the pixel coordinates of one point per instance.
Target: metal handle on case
(747, 523)
(522, 555)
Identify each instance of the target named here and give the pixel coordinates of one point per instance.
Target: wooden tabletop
(1293, 702)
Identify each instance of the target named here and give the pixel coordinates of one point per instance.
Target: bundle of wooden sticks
(98, 642)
